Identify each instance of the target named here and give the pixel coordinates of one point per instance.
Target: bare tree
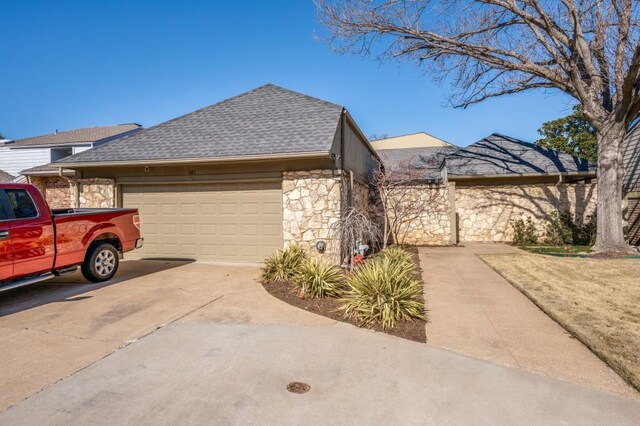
(354, 228)
(401, 202)
(587, 49)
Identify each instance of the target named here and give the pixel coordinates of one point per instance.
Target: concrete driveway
(51, 330)
(225, 352)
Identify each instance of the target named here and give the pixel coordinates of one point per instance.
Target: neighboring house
(413, 140)
(476, 192)
(31, 156)
(631, 185)
(6, 177)
(236, 180)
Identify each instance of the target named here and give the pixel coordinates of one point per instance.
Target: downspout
(560, 180)
(74, 183)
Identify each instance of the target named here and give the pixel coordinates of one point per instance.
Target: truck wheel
(101, 263)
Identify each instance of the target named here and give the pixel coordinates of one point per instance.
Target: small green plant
(562, 229)
(283, 265)
(383, 291)
(524, 232)
(318, 279)
(397, 254)
(558, 229)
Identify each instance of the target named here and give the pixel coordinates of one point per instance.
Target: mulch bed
(328, 307)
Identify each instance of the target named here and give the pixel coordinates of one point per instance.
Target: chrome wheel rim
(105, 263)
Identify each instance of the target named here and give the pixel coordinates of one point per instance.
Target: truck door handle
(4, 234)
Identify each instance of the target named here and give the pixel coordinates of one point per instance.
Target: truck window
(21, 203)
(3, 214)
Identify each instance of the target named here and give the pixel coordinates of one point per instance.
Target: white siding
(78, 149)
(13, 161)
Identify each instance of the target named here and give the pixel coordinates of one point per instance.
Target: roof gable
(502, 155)
(264, 121)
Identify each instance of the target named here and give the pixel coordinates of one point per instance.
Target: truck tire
(101, 263)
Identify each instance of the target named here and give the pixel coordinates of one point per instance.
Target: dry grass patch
(596, 300)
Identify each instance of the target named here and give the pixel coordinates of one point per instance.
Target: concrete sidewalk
(205, 373)
(475, 311)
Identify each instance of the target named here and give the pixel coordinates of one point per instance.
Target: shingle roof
(46, 170)
(5, 177)
(266, 120)
(416, 163)
(498, 154)
(87, 135)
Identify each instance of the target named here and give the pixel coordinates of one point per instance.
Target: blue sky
(70, 64)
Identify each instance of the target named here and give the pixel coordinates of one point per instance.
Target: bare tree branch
(588, 49)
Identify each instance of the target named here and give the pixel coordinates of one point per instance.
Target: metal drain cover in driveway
(298, 387)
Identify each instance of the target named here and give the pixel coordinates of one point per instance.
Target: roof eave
(182, 161)
(591, 173)
(52, 145)
(56, 172)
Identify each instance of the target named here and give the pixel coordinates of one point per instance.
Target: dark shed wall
(358, 158)
(632, 161)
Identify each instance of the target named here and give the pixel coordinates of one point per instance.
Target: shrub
(524, 233)
(398, 254)
(383, 291)
(558, 229)
(283, 265)
(561, 229)
(318, 279)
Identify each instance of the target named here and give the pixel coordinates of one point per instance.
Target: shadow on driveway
(70, 288)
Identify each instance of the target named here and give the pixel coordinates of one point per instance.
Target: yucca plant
(283, 264)
(318, 279)
(398, 255)
(382, 291)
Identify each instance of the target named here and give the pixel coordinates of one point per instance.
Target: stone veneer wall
(485, 212)
(58, 191)
(311, 203)
(432, 225)
(97, 193)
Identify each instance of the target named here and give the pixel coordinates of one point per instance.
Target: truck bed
(75, 228)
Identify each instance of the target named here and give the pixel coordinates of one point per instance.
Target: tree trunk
(610, 234)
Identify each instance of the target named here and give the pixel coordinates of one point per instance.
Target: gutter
(49, 173)
(229, 159)
(509, 175)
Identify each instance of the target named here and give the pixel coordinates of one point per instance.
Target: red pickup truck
(37, 243)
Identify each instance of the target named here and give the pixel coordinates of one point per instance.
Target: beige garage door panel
(218, 222)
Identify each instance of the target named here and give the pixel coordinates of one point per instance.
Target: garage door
(217, 222)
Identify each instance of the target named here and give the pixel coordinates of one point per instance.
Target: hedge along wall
(485, 213)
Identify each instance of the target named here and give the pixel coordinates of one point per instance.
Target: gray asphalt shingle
(265, 120)
(416, 163)
(5, 177)
(499, 154)
(68, 137)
